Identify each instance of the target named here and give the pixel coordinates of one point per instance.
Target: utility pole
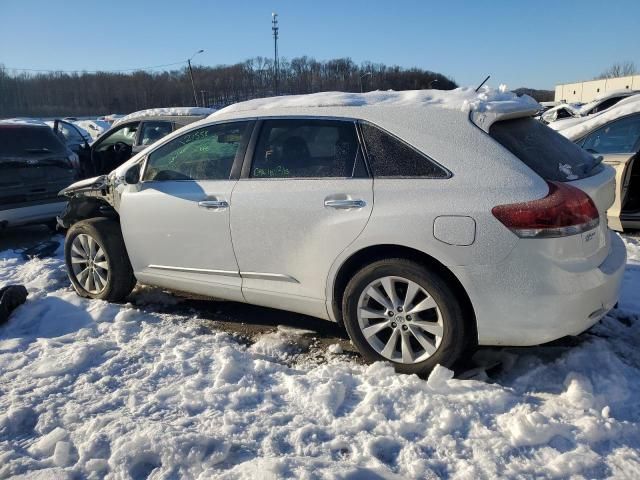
(361, 77)
(193, 84)
(274, 28)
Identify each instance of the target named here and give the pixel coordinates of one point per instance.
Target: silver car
(423, 230)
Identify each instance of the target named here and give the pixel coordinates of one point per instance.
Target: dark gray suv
(34, 166)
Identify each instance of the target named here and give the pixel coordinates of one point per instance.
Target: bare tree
(62, 94)
(619, 69)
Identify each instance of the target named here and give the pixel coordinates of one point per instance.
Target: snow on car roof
(488, 104)
(623, 107)
(23, 121)
(465, 99)
(168, 112)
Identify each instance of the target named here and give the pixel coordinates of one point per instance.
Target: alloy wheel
(400, 319)
(89, 264)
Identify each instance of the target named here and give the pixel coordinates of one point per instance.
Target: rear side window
(391, 157)
(544, 150)
(151, 132)
(306, 149)
(27, 141)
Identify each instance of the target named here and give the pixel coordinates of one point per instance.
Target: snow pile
(465, 99)
(167, 111)
(93, 390)
(623, 107)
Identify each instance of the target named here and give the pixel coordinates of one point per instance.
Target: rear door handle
(345, 204)
(213, 204)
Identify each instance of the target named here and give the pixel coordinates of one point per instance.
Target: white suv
(425, 222)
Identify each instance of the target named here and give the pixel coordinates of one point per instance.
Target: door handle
(345, 204)
(213, 204)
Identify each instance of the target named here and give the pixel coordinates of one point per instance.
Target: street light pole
(274, 28)
(193, 84)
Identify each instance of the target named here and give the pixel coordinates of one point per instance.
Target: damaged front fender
(89, 198)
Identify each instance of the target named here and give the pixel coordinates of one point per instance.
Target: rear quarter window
(391, 157)
(544, 150)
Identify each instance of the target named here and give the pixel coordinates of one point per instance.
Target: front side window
(621, 136)
(204, 154)
(391, 157)
(151, 132)
(306, 149)
(125, 134)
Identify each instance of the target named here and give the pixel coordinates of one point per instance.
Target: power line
(137, 69)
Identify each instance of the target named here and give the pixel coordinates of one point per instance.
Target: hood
(86, 185)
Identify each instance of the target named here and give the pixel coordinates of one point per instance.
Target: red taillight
(566, 210)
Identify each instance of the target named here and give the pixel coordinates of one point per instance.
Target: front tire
(97, 261)
(398, 311)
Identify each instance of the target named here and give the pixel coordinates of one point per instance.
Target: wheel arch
(372, 253)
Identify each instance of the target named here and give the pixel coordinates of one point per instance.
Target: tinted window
(544, 150)
(151, 132)
(391, 157)
(604, 105)
(24, 140)
(204, 154)
(306, 149)
(620, 136)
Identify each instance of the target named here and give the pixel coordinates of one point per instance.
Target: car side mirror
(132, 176)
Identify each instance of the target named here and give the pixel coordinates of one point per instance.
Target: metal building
(584, 92)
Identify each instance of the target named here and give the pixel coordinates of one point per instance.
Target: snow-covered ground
(93, 390)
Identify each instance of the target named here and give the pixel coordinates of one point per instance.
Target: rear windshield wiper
(37, 150)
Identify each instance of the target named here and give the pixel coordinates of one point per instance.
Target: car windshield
(28, 140)
(544, 150)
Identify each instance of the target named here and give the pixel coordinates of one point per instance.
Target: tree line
(67, 94)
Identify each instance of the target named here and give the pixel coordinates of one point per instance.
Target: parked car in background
(614, 135)
(34, 166)
(559, 112)
(419, 225)
(135, 132)
(599, 105)
(95, 128)
(111, 118)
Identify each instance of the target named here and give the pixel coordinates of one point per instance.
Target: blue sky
(534, 43)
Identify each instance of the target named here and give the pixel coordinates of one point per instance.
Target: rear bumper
(31, 214)
(538, 303)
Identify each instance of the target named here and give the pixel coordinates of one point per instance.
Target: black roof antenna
(483, 82)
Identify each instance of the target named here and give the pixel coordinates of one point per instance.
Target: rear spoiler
(506, 111)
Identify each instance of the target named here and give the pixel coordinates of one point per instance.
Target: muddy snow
(94, 390)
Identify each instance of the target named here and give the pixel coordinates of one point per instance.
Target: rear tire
(97, 260)
(421, 326)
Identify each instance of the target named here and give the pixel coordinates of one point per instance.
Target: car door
(175, 221)
(151, 131)
(617, 142)
(112, 149)
(304, 196)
